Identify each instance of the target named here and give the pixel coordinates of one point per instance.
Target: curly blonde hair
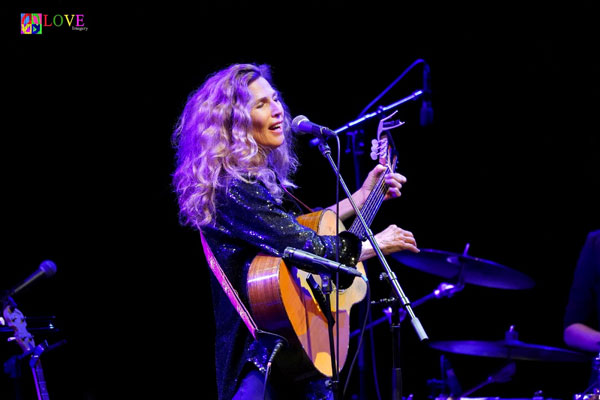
(214, 144)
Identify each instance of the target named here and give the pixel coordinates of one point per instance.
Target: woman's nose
(277, 109)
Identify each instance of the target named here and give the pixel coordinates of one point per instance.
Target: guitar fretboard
(40, 381)
(371, 206)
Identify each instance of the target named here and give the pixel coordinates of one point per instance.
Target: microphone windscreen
(48, 268)
(296, 124)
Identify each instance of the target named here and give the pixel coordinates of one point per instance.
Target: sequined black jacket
(249, 220)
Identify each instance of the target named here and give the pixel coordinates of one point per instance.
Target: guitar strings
(377, 199)
(371, 206)
(372, 203)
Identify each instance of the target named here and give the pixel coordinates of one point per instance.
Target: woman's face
(267, 114)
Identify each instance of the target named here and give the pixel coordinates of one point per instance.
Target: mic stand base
(396, 370)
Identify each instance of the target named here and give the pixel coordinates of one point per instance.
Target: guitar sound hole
(345, 281)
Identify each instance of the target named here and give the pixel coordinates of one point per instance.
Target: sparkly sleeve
(249, 212)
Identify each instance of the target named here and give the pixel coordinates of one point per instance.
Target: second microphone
(317, 264)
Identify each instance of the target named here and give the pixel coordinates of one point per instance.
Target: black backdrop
(509, 166)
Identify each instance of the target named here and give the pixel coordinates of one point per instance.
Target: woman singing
(233, 179)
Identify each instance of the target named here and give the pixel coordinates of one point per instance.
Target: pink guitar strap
(228, 288)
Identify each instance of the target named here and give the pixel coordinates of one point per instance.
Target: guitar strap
(268, 339)
(231, 293)
(297, 199)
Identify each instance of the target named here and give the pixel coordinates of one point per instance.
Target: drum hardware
(593, 391)
(510, 348)
(463, 268)
(503, 375)
(442, 290)
(449, 387)
(446, 387)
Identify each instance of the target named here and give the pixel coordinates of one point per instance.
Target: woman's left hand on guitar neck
(394, 180)
(393, 238)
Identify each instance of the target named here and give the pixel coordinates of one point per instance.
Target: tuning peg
(11, 339)
(374, 149)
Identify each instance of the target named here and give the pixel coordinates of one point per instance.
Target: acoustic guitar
(281, 300)
(16, 320)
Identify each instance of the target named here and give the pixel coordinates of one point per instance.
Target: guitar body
(282, 303)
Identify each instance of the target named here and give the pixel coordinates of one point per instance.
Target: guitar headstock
(380, 148)
(16, 320)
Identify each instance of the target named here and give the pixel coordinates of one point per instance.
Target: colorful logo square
(31, 24)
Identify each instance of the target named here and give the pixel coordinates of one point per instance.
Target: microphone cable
(276, 349)
(411, 66)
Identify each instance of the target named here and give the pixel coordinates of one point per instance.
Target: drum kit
(461, 269)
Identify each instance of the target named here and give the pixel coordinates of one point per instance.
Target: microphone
(318, 265)
(301, 125)
(426, 108)
(47, 268)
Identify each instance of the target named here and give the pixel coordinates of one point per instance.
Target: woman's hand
(391, 240)
(394, 181)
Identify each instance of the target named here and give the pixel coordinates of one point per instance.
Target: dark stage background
(510, 166)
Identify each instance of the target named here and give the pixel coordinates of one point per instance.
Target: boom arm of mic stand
(391, 276)
(366, 117)
(379, 111)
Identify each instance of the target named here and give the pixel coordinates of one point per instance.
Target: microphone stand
(380, 110)
(389, 274)
(322, 297)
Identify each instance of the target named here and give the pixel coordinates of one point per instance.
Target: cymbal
(476, 271)
(510, 349)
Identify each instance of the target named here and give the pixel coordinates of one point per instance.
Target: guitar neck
(16, 321)
(40, 381)
(370, 208)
